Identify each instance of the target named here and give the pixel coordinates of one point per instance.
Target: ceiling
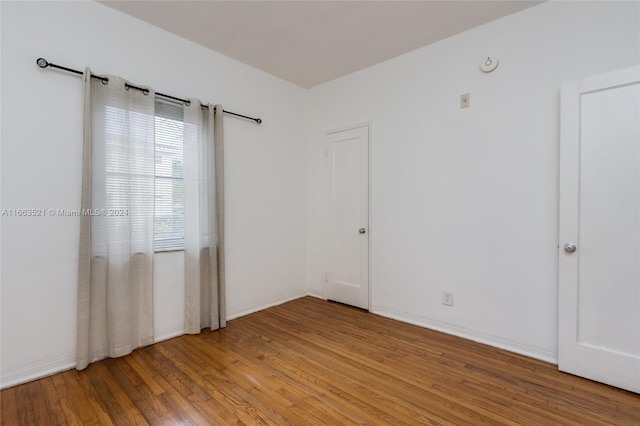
(312, 42)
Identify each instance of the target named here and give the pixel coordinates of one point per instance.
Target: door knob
(362, 230)
(569, 247)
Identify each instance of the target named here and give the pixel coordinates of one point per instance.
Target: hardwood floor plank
(9, 407)
(120, 397)
(143, 372)
(140, 397)
(316, 411)
(165, 368)
(180, 397)
(180, 410)
(106, 395)
(481, 355)
(243, 386)
(244, 406)
(93, 393)
(53, 402)
(403, 392)
(33, 393)
(289, 379)
(312, 362)
(26, 412)
(333, 347)
(72, 398)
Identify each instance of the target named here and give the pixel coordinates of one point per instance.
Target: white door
(599, 250)
(347, 183)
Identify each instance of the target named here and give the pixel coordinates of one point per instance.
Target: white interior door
(599, 250)
(347, 183)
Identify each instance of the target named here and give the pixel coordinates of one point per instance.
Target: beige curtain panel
(204, 217)
(115, 293)
(115, 274)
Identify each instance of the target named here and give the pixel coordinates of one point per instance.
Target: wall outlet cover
(447, 298)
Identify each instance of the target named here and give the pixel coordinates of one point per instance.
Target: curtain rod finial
(42, 62)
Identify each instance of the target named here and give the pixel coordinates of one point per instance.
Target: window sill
(168, 250)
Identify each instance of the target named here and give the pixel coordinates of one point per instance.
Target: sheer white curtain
(115, 293)
(204, 217)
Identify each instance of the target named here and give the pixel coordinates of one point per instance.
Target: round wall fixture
(489, 63)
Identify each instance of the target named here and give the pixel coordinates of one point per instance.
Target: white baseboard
(168, 333)
(43, 369)
(28, 373)
(240, 312)
(46, 368)
(466, 333)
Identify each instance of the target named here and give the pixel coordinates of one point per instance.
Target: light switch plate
(464, 100)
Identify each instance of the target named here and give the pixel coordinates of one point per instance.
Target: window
(169, 182)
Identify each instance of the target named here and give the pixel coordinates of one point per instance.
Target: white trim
(240, 312)
(39, 370)
(168, 333)
(466, 333)
(44, 369)
(609, 80)
(370, 212)
(35, 371)
(350, 127)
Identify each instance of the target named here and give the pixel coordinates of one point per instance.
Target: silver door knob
(569, 247)
(362, 230)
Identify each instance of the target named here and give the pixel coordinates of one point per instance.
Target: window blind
(169, 183)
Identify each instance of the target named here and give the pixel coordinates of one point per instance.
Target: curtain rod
(43, 63)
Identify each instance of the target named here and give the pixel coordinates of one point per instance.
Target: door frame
(325, 210)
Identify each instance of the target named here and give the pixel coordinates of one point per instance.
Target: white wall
(41, 153)
(464, 200)
(467, 199)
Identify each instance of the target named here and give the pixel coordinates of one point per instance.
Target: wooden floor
(311, 362)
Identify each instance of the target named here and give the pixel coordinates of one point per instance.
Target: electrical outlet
(464, 100)
(447, 298)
